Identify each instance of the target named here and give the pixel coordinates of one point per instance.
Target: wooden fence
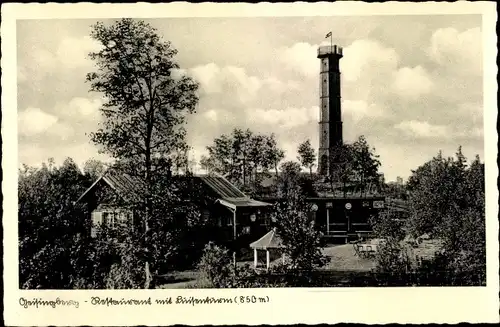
(324, 278)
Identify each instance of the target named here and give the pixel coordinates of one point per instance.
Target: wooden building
(230, 215)
(342, 219)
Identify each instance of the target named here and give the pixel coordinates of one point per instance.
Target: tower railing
(327, 49)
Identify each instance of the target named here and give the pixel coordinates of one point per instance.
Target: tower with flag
(330, 124)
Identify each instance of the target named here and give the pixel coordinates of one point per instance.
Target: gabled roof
(269, 241)
(127, 187)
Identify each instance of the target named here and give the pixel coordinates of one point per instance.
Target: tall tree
(243, 154)
(145, 105)
(365, 163)
(289, 179)
(301, 240)
(274, 155)
(93, 168)
(342, 167)
(49, 225)
(447, 199)
(208, 164)
(307, 156)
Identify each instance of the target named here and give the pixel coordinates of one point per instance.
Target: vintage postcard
(249, 163)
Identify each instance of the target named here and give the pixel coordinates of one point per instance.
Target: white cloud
(474, 111)
(412, 82)
(359, 109)
(301, 57)
(247, 86)
(178, 73)
(422, 129)
(458, 50)
(35, 155)
(361, 55)
(287, 118)
(211, 115)
(71, 53)
(84, 108)
(474, 132)
(226, 80)
(366, 59)
(33, 121)
(207, 76)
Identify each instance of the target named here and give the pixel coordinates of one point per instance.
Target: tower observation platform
(330, 124)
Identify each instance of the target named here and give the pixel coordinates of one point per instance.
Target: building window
(112, 218)
(225, 221)
(205, 215)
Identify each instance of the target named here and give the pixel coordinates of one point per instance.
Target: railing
(327, 49)
(329, 278)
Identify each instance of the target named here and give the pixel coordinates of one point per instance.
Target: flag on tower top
(328, 35)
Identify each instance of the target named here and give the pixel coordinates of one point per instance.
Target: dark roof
(222, 186)
(242, 202)
(131, 189)
(127, 187)
(269, 241)
(229, 195)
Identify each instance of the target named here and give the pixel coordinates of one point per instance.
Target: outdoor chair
(356, 247)
(370, 251)
(363, 250)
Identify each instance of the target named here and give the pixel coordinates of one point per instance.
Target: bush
(300, 239)
(393, 263)
(387, 225)
(215, 266)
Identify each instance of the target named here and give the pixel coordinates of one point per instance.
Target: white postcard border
(286, 306)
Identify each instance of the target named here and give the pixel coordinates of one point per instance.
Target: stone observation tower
(330, 121)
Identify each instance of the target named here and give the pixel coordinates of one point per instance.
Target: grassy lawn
(343, 259)
(179, 279)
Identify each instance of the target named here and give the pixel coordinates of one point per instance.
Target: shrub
(215, 266)
(387, 225)
(300, 239)
(393, 263)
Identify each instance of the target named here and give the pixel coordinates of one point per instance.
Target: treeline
(56, 250)
(243, 156)
(48, 225)
(247, 158)
(446, 201)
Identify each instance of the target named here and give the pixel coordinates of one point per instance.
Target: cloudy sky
(411, 84)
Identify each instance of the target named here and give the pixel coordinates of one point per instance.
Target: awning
(268, 241)
(245, 202)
